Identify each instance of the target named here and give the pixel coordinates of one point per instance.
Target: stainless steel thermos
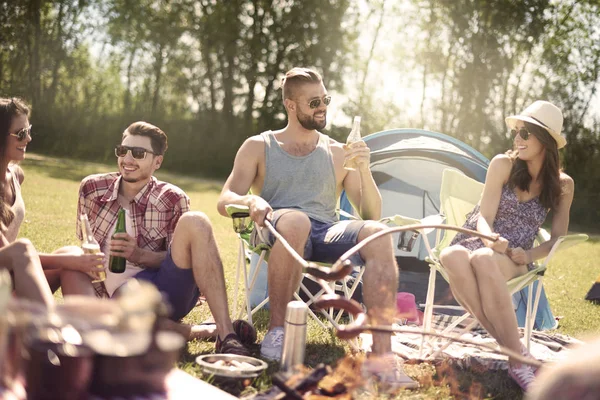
(294, 339)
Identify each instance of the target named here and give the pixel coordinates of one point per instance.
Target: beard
(138, 176)
(131, 180)
(308, 121)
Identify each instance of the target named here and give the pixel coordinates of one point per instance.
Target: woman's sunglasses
(22, 134)
(524, 133)
(139, 153)
(317, 102)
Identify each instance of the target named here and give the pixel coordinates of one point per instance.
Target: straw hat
(543, 114)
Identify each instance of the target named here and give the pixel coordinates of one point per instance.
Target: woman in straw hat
(521, 187)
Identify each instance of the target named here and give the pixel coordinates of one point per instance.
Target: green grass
(50, 192)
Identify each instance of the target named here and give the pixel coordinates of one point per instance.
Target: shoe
(231, 345)
(522, 374)
(387, 372)
(272, 345)
(245, 332)
(525, 353)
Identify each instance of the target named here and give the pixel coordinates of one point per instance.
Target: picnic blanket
(546, 347)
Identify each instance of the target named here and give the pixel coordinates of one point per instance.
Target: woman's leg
(463, 283)
(492, 270)
(53, 275)
(30, 283)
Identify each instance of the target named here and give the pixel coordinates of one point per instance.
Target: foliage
(208, 71)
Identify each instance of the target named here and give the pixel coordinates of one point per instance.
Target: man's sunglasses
(524, 133)
(139, 153)
(314, 103)
(22, 134)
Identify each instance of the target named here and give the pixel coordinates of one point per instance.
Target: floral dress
(517, 222)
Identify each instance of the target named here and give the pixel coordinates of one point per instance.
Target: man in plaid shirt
(165, 244)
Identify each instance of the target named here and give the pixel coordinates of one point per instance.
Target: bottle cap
(296, 313)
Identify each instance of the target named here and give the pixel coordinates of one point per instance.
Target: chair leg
(237, 277)
(536, 303)
(449, 342)
(247, 287)
(528, 322)
(350, 292)
(427, 317)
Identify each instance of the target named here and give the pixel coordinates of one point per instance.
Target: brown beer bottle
(117, 264)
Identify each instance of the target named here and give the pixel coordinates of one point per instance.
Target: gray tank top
(18, 208)
(305, 183)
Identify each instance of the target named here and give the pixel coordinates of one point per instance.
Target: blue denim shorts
(327, 241)
(176, 284)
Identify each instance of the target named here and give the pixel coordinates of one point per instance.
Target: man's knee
(370, 228)
(194, 222)
(381, 246)
(294, 225)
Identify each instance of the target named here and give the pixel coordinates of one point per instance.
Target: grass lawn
(50, 192)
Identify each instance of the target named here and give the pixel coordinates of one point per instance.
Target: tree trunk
(370, 57)
(158, 65)
(35, 11)
(127, 96)
(58, 56)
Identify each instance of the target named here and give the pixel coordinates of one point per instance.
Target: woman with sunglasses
(15, 135)
(521, 186)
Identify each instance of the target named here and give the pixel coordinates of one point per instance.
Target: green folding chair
(459, 194)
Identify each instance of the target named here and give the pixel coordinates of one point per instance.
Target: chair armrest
(564, 242)
(237, 210)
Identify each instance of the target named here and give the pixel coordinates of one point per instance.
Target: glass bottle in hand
(354, 136)
(116, 264)
(90, 245)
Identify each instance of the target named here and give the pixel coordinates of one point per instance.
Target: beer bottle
(90, 245)
(354, 136)
(117, 264)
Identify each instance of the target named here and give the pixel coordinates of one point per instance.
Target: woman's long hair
(549, 174)
(9, 109)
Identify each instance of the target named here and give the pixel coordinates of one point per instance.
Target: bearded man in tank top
(296, 175)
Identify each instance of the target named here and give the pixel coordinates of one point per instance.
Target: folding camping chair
(242, 225)
(458, 196)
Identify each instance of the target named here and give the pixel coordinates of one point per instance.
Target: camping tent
(407, 166)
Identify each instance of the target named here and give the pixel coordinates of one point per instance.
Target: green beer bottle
(117, 264)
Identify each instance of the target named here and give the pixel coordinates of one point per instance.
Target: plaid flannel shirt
(155, 210)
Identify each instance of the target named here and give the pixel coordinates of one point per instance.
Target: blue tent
(407, 166)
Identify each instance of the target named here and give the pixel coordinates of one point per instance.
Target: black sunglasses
(317, 102)
(22, 134)
(524, 133)
(139, 153)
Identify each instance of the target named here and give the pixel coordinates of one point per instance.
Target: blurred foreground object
(574, 378)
